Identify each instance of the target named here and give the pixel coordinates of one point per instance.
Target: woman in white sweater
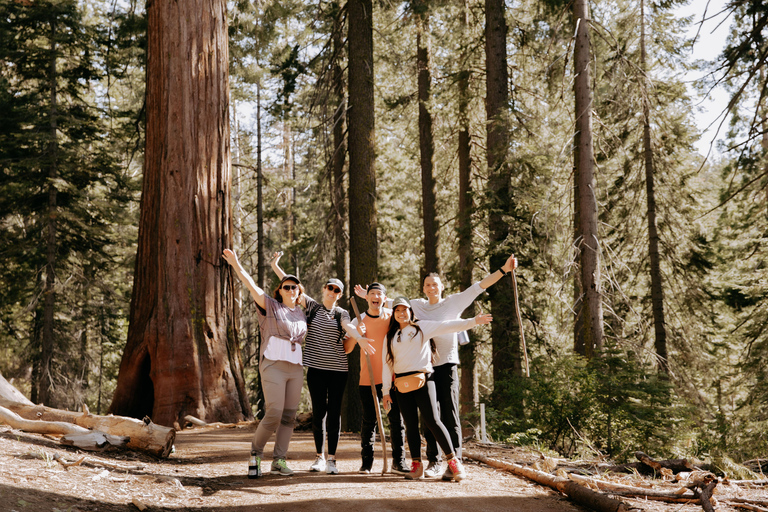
(408, 355)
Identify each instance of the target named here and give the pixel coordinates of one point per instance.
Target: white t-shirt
(448, 308)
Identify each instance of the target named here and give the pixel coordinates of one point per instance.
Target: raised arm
(506, 268)
(274, 262)
(256, 292)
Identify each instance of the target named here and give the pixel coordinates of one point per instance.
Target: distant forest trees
(381, 141)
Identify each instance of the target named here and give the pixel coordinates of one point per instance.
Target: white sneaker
(318, 465)
(331, 468)
(434, 469)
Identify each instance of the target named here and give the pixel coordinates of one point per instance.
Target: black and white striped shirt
(324, 347)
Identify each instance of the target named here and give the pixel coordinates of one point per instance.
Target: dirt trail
(207, 473)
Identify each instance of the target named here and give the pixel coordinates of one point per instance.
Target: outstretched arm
(355, 337)
(256, 292)
(506, 268)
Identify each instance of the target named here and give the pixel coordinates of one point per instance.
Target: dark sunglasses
(333, 289)
(289, 287)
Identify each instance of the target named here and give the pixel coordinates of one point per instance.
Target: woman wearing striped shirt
(325, 356)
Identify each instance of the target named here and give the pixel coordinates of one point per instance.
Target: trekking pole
(520, 323)
(375, 396)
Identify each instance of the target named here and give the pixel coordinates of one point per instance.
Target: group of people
(413, 349)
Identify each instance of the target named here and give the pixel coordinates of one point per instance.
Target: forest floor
(207, 473)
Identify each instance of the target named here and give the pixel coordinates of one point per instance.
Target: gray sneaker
(280, 466)
(318, 465)
(434, 469)
(331, 468)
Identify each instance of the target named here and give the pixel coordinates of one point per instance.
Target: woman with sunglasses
(408, 354)
(283, 326)
(325, 356)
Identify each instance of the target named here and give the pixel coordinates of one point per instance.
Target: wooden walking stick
(385, 469)
(520, 323)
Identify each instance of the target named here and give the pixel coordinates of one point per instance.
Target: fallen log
(628, 490)
(581, 495)
(703, 486)
(649, 466)
(95, 441)
(9, 392)
(145, 436)
(39, 427)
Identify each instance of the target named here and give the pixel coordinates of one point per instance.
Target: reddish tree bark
(182, 356)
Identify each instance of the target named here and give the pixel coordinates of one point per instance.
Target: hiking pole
(375, 396)
(520, 323)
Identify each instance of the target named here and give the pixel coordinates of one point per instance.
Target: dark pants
(326, 389)
(423, 401)
(446, 377)
(368, 426)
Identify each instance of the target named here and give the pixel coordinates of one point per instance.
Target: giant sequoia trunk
(363, 243)
(182, 356)
(587, 236)
(506, 346)
(426, 142)
(657, 291)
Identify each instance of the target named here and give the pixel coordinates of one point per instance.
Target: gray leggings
(281, 382)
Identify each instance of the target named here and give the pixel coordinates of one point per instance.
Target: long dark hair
(394, 326)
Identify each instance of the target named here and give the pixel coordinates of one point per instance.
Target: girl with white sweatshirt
(408, 354)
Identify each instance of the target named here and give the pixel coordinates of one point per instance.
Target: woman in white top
(283, 327)
(409, 351)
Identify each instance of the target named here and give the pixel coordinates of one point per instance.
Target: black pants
(368, 426)
(423, 401)
(446, 377)
(326, 389)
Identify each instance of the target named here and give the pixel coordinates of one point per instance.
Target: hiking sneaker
(254, 467)
(417, 470)
(331, 468)
(433, 470)
(280, 466)
(456, 470)
(399, 468)
(318, 465)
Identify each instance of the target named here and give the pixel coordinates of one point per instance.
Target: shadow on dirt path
(207, 473)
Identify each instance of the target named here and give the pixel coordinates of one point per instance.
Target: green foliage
(55, 142)
(611, 405)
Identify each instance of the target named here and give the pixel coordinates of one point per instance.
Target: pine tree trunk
(182, 355)
(339, 150)
(467, 353)
(506, 348)
(586, 184)
(260, 264)
(45, 387)
(657, 290)
(363, 243)
(426, 146)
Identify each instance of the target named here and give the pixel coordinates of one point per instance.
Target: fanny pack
(410, 382)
